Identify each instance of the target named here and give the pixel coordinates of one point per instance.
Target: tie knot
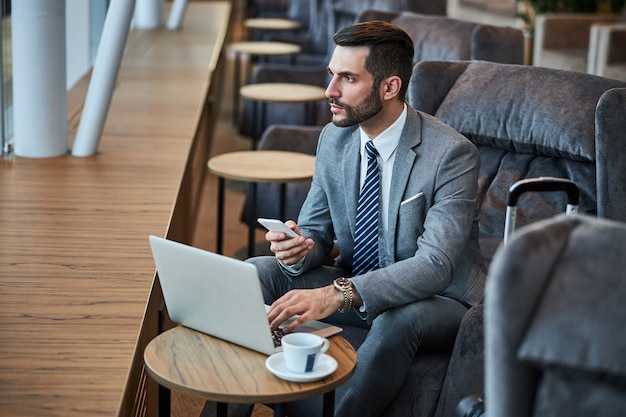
(371, 150)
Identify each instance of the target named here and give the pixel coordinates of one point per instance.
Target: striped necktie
(365, 257)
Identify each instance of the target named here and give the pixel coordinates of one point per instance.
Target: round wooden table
(264, 93)
(203, 366)
(271, 23)
(257, 167)
(255, 49)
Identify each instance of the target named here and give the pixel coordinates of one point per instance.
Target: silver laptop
(218, 295)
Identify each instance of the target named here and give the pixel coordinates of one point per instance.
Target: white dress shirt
(386, 144)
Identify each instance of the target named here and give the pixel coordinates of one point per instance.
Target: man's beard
(367, 109)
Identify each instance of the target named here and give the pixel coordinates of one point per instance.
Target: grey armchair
(266, 8)
(527, 122)
(554, 317)
(440, 38)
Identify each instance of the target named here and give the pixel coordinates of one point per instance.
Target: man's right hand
(289, 250)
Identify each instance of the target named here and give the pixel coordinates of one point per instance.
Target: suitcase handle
(544, 184)
(538, 185)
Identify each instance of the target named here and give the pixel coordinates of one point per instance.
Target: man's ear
(391, 87)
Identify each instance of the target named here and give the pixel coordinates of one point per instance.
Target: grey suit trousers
(393, 340)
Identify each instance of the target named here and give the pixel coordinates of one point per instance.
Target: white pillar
(104, 74)
(148, 14)
(39, 77)
(177, 13)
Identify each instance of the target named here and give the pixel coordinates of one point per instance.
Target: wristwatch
(345, 286)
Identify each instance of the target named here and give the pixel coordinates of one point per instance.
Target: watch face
(344, 282)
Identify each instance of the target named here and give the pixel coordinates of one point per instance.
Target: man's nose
(331, 90)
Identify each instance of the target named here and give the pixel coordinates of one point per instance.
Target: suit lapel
(406, 154)
(351, 172)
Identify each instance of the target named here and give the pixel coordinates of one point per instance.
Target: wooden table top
(263, 166)
(213, 369)
(75, 264)
(283, 92)
(264, 48)
(271, 23)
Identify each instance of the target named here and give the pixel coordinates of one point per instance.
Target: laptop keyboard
(277, 336)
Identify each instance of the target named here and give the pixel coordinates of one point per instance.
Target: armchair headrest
(513, 107)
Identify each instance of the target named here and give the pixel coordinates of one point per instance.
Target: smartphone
(275, 225)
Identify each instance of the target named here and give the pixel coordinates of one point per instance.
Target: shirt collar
(388, 140)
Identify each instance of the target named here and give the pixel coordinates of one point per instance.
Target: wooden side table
(255, 49)
(257, 167)
(203, 366)
(264, 93)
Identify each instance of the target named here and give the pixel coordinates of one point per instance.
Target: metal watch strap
(344, 285)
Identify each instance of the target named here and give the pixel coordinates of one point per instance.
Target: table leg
(263, 118)
(220, 214)
(222, 410)
(329, 404)
(252, 187)
(308, 113)
(282, 198)
(165, 401)
(279, 410)
(236, 86)
(259, 118)
(311, 113)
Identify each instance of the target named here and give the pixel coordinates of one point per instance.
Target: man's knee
(266, 266)
(432, 322)
(272, 279)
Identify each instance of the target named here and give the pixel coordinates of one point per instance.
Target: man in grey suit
(428, 268)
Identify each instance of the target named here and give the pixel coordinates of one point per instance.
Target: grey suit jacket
(435, 236)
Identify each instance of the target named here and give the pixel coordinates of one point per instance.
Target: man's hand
(309, 305)
(289, 251)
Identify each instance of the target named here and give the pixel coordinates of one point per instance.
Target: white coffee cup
(301, 351)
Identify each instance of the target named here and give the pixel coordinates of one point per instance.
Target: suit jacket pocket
(411, 220)
(412, 198)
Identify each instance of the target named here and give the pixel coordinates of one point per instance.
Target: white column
(177, 13)
(39, 77)
(104, 74)
(148, 14)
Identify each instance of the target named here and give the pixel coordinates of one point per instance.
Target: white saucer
(326, 365)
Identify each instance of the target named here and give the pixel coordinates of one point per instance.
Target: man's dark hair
(391, 50)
